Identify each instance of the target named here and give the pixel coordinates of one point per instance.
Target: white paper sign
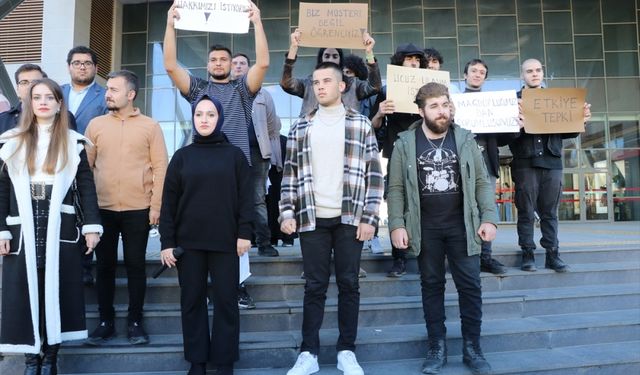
(215, 16)
(487, 112)
(245, 271)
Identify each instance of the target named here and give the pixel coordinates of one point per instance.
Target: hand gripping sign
(215, 16)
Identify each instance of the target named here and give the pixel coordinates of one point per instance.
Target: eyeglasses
(24, 82)
(77, 64)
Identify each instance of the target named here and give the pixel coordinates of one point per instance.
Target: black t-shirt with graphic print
(439, 181)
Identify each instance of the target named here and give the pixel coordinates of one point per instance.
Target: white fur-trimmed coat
(64, 291)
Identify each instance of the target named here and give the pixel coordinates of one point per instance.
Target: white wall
(65, 25)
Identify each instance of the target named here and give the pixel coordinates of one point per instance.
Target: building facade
(582, 43)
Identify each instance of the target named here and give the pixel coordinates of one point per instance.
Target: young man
(441, 205)
(392, 123)
(475, 73)
(85, 99)
(24, 76)
(264, 143)
(129, 162)
(536, 170)
(331, 193)
(236, 95)
(84, 95)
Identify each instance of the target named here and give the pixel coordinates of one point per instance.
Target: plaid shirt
(363, 183)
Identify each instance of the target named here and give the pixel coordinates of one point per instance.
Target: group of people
(82, 167)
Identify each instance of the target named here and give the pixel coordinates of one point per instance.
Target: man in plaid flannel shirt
(331, 191)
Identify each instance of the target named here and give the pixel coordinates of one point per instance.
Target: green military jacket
(403, 197)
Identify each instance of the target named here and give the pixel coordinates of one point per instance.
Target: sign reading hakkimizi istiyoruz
(215, 16)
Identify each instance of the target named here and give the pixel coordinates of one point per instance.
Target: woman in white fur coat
(42, 290)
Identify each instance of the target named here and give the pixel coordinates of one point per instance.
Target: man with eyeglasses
(84, 95)
(85, 98)
(24, 76)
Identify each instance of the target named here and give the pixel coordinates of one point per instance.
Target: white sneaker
(348, 364)
(376, 246)
(306, 364)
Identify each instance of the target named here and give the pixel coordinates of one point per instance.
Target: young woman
(207, 208)
(43, 165)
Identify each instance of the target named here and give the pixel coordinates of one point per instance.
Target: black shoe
(528, 260)
(398, 269)
(50, 360)
(32, 364)
(436, 356)
(553, 261)
(268, 251)
(136, 334)
(197, 369)
(488, 264)
(245, 302)
(103, 332)
(87, 278)
(287, 243)
(474, 359)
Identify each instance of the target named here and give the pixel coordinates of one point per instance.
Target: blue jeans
(259, 175)
(330, 236)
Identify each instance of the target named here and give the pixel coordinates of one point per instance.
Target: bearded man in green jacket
(441, 203)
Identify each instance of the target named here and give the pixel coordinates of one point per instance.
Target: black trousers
(537, 190)
(465, 269)
(330, 236)
(221, 348)
(134, 227)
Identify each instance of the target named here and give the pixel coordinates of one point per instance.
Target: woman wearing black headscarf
(207, 207)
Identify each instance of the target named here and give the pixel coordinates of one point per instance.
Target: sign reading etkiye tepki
(215, 16)
(403, 84)
(334, 25)
(557, 110)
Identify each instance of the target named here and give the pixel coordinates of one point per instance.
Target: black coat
(64, 302)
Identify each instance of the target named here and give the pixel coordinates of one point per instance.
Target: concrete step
(283, 288)
(279, 349)
(290, 262)
(287, 315)
(598, 359)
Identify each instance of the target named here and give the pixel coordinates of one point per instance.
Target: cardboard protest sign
(487, 112)
(403, 84)
(215, 16)
(558, 110)
(335, 25)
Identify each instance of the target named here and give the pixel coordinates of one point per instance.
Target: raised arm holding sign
(339, 25)
(214, 16)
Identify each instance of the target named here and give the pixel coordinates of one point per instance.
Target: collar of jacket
(136, 112)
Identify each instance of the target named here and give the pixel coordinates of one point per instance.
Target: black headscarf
(217, 136)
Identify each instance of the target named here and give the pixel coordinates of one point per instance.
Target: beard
(438, 125)
(83, 81)
(221, 77)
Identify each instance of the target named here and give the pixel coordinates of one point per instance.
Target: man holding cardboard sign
(536, 170)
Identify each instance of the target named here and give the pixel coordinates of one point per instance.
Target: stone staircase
(585, 321)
